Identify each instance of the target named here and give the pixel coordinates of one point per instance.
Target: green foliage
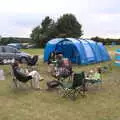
(107, 41)
(41, 34)
(66, 26)
(5, 41)
(35, 35)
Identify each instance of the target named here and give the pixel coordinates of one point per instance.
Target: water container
(117, 57)
(2, 77)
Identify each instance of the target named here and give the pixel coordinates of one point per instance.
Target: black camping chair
(64, 71)
(74, 88)
(64, 74)
(32, 62)
(20, 77)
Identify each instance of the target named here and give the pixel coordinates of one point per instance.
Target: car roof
(7, 46)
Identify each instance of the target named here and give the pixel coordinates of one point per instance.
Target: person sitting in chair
(94, 77)
(63, 67)
(52, 58)
(34, 75)
(51, 62)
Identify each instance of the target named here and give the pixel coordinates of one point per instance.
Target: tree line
(65, 26)
(106, 41)
(7, 40)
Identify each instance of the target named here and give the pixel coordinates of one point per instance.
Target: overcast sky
(98, 17)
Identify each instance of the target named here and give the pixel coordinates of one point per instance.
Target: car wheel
(23, 60)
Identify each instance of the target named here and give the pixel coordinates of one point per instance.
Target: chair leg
(63, 92)
(83, 89)
(31, 84)
(15, 82)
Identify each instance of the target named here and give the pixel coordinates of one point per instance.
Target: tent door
(68, 49)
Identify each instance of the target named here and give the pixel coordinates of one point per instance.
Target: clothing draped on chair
(32, 61)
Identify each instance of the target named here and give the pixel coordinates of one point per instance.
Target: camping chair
(20, 78)
(91, 81)
(64, 71)
(72, 89)
(106, 68)
(32, 62)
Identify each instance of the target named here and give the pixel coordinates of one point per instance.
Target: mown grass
(27, 104)
(34, 51)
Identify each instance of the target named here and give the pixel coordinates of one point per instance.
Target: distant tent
(117, 57)
(79, 51)
(113, 43)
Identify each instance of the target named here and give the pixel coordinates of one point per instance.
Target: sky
(98, 17)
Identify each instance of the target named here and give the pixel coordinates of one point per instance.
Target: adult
(24, 72)
(63, 67)
(51, 61)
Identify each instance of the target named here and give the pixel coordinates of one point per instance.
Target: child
(94, 76)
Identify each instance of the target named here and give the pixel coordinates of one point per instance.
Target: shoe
(37, 89)
(41, 79)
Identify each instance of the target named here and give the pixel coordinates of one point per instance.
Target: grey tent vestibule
(78, 51)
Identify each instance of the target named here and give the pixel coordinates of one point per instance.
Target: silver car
(8, 53)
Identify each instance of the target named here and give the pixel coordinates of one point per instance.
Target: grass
(26, 104)
(34, 51)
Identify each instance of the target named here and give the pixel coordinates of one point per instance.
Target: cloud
(104, 6)
(98, 17)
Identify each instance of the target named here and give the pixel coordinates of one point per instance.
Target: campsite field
(27, 104)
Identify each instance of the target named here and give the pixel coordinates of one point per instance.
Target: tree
(5, 41)
(41, 34)
(35, 35)
(68, 26)
(106, 41)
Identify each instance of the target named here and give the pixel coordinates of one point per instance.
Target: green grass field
(27, 104)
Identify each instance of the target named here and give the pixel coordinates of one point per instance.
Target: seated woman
(34, 75)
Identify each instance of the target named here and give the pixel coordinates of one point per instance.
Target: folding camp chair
(19, 78)
(32, 62)
(75, 87)
(64, 71)
(64, 74)
(97, 82)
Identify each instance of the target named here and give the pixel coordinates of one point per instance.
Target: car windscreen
(9, 49)
(1, 49)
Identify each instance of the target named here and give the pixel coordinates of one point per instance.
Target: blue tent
(79, 51)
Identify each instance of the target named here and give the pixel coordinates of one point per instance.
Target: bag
(53, 84)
